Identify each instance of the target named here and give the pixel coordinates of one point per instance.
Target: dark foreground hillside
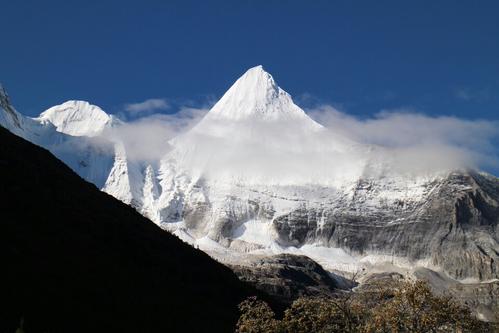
(74, 259)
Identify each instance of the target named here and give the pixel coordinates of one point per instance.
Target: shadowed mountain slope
(74, 259)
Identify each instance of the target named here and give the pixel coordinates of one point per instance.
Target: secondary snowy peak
(256, 96)
(77, 118)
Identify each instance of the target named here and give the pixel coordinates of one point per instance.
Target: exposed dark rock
(287, 277)
(384, 277)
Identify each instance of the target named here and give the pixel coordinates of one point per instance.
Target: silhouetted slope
(76, 259)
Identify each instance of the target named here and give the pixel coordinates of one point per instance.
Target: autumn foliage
(402, 306)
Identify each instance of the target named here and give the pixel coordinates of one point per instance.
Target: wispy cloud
(147, 138)
(400, 140)
(147, 106)
(449, 141)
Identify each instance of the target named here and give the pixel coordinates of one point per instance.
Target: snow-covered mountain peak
(256, 96)
(255, 135)
(77, 118)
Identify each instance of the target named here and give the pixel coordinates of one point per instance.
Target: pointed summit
(256, 96)
(257, 82)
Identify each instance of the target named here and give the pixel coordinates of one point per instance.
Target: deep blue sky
(438, 57)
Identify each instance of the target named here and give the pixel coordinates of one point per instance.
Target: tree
(256, 317)
(379, 307)
(414, 308)
(314, 315)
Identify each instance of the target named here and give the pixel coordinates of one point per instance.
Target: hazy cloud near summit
(406, 140)
(146, 138)
(466, 143)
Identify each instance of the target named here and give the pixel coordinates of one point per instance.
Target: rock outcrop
(287, 277)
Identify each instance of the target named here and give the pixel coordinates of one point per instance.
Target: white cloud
(147, 106)
(147, 138)
(402, 141)
(284, 152)
(415, 138)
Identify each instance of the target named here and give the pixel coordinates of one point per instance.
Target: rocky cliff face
(454, 227)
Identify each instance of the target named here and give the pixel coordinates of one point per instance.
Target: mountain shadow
(75, 259)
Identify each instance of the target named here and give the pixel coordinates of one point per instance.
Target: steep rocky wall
(455, 228)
